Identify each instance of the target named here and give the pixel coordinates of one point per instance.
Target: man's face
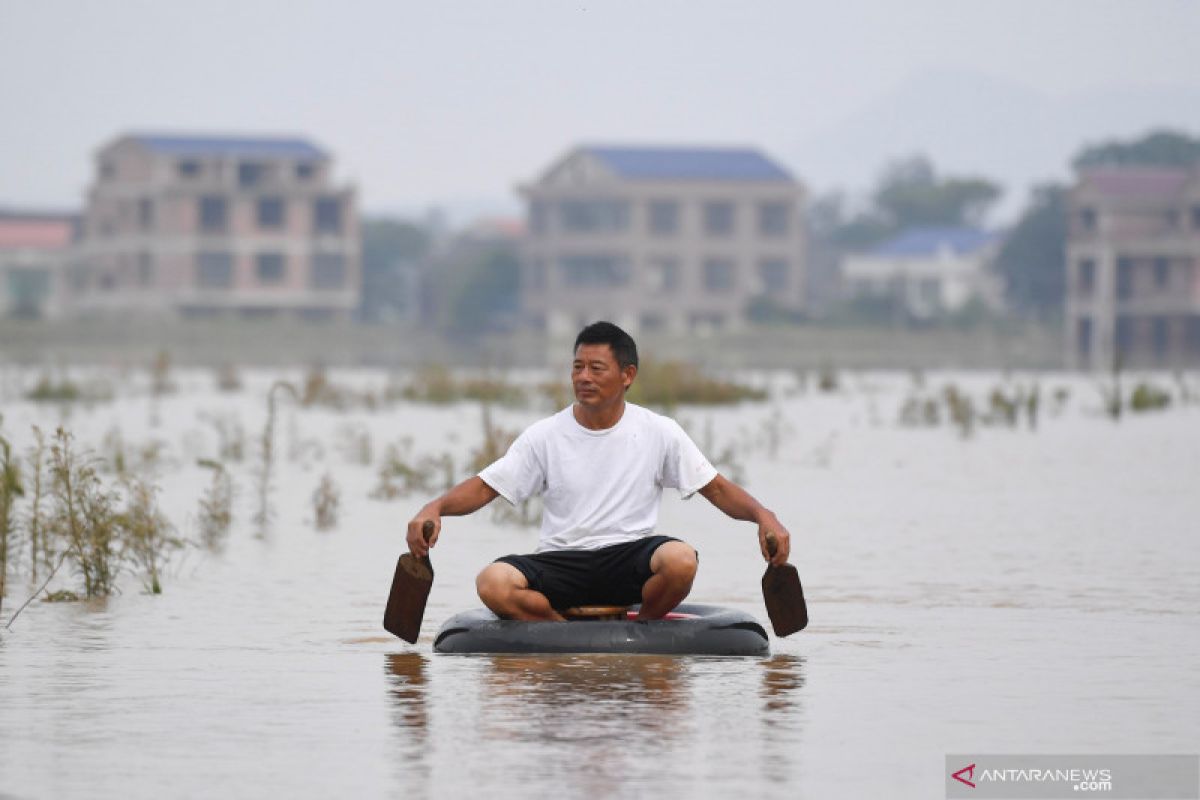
(596, 378)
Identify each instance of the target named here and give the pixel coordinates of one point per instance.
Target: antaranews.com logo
(1054, 776)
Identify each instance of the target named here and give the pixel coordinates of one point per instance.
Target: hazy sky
(455, 103)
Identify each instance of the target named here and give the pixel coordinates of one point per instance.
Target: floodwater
(1015, 591)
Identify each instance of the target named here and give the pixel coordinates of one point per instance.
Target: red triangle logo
(958, 776)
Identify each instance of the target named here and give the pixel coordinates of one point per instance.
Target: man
(600, 465)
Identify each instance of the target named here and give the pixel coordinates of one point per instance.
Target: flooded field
(974, 586)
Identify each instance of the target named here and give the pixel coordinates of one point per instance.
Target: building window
(214, 214)
(1086, 281)
(188, 169)
(662, 275)
(664, 217)
(597, 271)
(1084, 334)
(270, 212)
(29, 289)
(1087, 219)
(773, 274)
(718, 218)
(718, 275)
(108, 170)
(145, 269)
(594, 216)
(250, 174)
(327, 215)
(305, 170)
(1124, 278)
(268, 267)
(773, 219)
(1162, 273)
(1124, 337)
(214, 270)
(328, 271)
(1158, 333)
(1173, 218)
(537, 216)
(146, 213)
(1196, 216)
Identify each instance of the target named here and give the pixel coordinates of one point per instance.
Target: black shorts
(612, 575)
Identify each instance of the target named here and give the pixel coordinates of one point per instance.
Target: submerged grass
(669, 384)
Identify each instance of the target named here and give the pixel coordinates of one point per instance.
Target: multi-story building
(679, 239)
(199, 225)
(1133, 267)
(36, 252)
(929, 271)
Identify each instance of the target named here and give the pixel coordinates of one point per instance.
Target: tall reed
(147, 533)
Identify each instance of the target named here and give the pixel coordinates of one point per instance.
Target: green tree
(1160, 148)
(388, 244)
(486, 289)
(910, 193)
(1032, 260)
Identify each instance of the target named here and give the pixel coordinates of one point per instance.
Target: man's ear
(627, 376)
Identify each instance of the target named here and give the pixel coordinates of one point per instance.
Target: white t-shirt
(599, 487)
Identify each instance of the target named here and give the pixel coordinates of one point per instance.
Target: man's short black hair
(622, 343)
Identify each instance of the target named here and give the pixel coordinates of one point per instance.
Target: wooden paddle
(783, 595)
(410, 589)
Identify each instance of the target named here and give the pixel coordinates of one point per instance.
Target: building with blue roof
(929, 270)
(662, 238)
(201, 225)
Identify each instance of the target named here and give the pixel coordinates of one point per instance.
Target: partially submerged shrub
(434, 383)
(10, 490)
(266, 465)
(326, 499)
(401, 473)
(82, 516)
(669, 384)
(40, 544)
(1148, 397)
(147, 533)
(216, 506)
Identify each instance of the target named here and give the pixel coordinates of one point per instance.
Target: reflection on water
(597, 725)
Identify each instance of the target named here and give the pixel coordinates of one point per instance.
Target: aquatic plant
(82, 516)
(48, 391)
(231, 436)
(266, 465)
(827, 378)
(326, 499)
(39, 542)
(1148, 397)
(227, 378)
(669, 384)
(216, 506)
(10, 490)
(434, 383)
(160, 375)
(147, 535)
(401, 473)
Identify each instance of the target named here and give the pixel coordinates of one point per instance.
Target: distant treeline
(469, 285)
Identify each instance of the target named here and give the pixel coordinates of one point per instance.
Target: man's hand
(416, 538)
(783, 541)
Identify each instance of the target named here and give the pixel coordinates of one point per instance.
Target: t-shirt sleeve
(684, 468)
(518, 474)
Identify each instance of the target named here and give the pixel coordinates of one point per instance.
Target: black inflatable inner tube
(693, 630)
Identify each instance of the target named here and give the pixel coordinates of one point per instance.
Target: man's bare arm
(737, 503)
(465, 498)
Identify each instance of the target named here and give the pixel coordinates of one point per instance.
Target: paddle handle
(772, 544)
(427, 530)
